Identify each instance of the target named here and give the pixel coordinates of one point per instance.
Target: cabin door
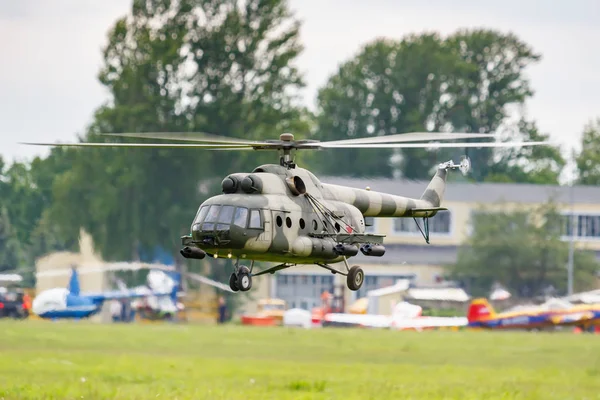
(267, 234)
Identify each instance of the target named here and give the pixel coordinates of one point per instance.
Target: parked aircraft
(546, 316)
(405, 316)
(70, 302)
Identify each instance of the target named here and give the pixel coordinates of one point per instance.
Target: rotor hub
(286, 137)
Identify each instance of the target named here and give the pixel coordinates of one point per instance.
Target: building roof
(476, 192)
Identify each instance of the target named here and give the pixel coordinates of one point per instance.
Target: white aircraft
(405, 316)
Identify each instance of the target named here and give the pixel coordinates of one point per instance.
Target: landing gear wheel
(244, 280)
(233, 282)
(355, 278)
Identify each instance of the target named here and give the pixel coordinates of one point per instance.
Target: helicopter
(283, 214)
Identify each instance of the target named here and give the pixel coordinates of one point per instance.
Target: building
(408, 256)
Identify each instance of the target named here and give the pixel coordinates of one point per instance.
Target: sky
(51, 55)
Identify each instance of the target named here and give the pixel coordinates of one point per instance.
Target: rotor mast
(287, 159)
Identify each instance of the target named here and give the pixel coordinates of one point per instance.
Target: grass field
(74, 360)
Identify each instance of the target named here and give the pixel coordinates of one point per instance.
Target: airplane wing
(427, 322)
(571, 318)
(356, 320)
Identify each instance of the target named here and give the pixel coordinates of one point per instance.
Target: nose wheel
(241, 280)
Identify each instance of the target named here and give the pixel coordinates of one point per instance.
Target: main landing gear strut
(241, 278)
(354, 276)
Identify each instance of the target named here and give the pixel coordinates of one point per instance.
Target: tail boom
(382, 205)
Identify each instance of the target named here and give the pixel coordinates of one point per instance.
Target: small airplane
(71, 303)
(283, 214)
(405, 316)
(553, 313)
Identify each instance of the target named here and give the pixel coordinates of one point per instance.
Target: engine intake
(251, 184)
(230, 184)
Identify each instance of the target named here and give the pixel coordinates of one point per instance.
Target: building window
(439, 224)
(585, 226)
(301, 290)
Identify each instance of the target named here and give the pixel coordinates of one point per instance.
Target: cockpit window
(201, 214)
(241, 217)
(225, 218)
(226, 214)
(255, 220)
(211, 216)
(220, 218)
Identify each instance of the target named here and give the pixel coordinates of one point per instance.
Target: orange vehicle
(270, 312)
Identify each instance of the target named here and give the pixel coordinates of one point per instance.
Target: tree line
(229, 68)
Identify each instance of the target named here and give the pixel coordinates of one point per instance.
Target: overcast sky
(51, 53)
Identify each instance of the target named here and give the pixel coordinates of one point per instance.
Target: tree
(534, 164)
(464, 83)
(10, 249)
(219, 66)
(588, 160)
(523, 251)
(25, 194)
(494, 81)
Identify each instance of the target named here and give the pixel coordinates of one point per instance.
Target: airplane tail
(478, 309)
(74, 282)
(434, 193)
(165, 282)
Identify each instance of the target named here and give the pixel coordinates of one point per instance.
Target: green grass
(74, 360)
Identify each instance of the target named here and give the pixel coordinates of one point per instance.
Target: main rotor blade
(153, 145)
(432, 145)
(412, 137)
(187, 136)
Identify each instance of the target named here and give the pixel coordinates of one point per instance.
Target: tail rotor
(464, 166)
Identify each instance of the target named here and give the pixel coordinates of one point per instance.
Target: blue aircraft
(60, 303)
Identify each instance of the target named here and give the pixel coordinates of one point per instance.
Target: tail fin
(480, 308)
(434, 193)
(74, 283)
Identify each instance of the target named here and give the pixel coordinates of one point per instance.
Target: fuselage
(576, 315)
(59, 303)
(279, 214)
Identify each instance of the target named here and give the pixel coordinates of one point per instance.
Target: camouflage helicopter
(284, 214)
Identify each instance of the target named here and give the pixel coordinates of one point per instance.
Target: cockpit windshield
(201, 214)
(225, 217)
(220, 218)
